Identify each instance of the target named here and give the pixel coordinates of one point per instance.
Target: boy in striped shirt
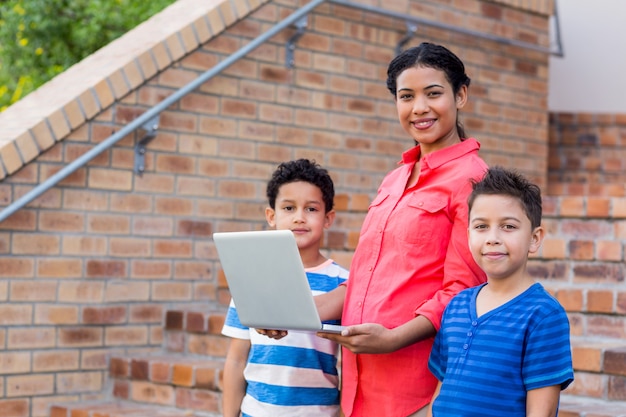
(295, 375)
(503, 348)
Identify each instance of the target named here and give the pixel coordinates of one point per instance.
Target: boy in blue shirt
(297, 374)
(503, 348)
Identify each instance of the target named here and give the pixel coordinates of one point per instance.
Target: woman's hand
(364, 338)
(375, 338)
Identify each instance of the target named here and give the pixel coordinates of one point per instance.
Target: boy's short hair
(301, 170)
(501, 181)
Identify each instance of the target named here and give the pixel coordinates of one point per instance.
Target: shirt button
(420, 204)
(359, 304)
(465, 346)
(469, 334)
(474, 323)
(369, 269)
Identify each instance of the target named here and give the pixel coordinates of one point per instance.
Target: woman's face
(427, 107)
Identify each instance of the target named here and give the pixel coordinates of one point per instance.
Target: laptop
(267, 281)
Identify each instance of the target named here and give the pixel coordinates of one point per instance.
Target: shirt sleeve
(460, 270)
(438, 357)
(232, 325)
(548, 359)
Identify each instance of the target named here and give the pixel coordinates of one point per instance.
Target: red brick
(617, 388)
(33, 290)
(193, 270)
(151, 226)
(56, 361)
(56, 314)
(198, 399)
(162, 291)
(571, 300)
(615, 361)
(35, 244)
(21, 220)
(173, 206)
(29, 385)
(139, 369)
(119, 368)
(183, 374)
(110, 224)
(80, 337)
(127, 291)
(81, 291)
(581, 250)
(109, 179)
(104, 315)
(146, 313)
(599, 301)
(207, 345)
(60, 268)
(173, 248)
(151, 269)
(146, 392)
(15, 362)
(31, 338)
(174, 320)
(160, 371)
(129, 247)
(196, 322)
(121, 389)
(106, 269)
(126, 335)
(15, 408)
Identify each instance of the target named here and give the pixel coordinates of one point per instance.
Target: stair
(117, 409)
(598, 327)
(183, 380)
(572, 406)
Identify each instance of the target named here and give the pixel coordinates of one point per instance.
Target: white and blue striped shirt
(296, 375)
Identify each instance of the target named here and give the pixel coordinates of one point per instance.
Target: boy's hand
(272, 334)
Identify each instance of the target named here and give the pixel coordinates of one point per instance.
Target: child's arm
(330, 305)
(543, 402)
(234, 382)
(429, 412)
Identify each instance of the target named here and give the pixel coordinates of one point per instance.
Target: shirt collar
(440, 157)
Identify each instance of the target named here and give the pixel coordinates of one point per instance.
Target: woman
(412, 256)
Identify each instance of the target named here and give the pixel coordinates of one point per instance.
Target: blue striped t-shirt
(296, 375)
(488, 363)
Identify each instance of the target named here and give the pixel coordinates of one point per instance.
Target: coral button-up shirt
(412, 258)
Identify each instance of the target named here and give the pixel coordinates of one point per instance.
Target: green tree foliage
(41, 38)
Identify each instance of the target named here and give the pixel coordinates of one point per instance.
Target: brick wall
(88, 269)
(587, 154)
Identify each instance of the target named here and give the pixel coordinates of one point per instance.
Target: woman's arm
(330, 305)
(543, 402)
(374, 338)
(234, 382)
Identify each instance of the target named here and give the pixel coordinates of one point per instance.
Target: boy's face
(300, 208)
(501, 236)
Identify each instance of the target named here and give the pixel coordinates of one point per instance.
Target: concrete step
(572, 406)
(195, 332)
(121, 409)
(172, 380)
(599, 368)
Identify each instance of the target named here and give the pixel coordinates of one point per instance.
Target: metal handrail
(451, 28)
(152, 113)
